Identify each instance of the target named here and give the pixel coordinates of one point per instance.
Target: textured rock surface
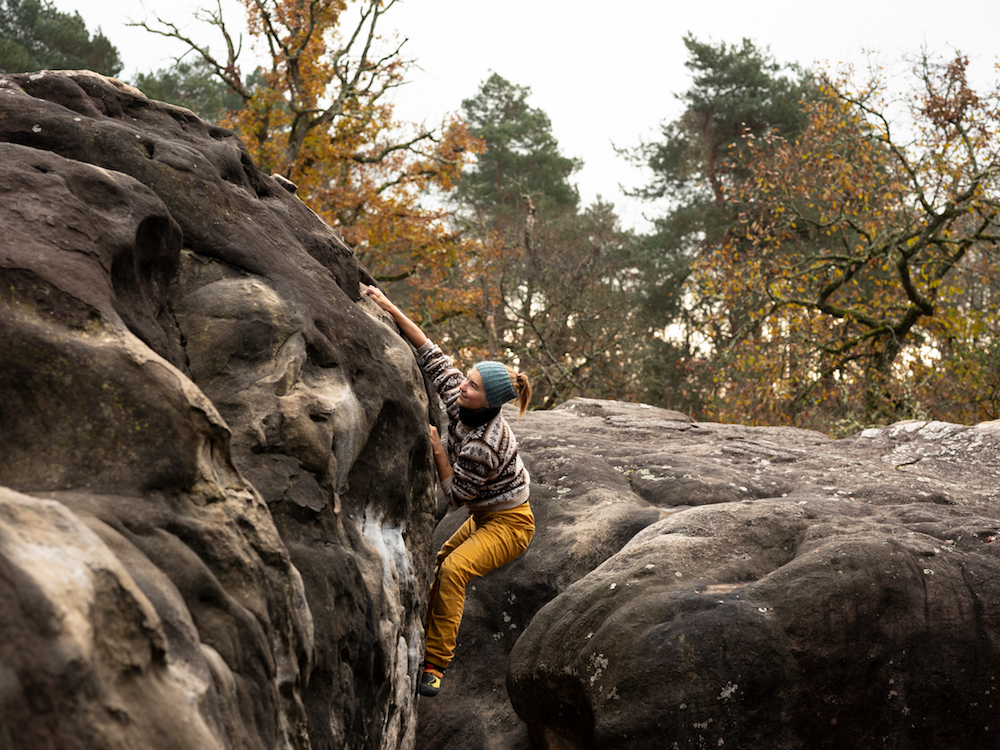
(700, 585)
(218, 498)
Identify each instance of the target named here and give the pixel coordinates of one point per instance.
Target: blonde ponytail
(522, 387)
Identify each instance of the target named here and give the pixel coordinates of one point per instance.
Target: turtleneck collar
(472, 418)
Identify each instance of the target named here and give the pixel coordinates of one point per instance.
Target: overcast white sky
(605, 73)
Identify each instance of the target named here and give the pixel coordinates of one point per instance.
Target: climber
(479, 469)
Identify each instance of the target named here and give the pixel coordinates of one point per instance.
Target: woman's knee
(524, 539)
(450, 571)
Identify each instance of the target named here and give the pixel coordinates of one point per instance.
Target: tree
(871, 258)
(521, 157)
(736, 91)
(321, 119)
(193, 85)
(547, 285)
(36, 36)
(565, 296)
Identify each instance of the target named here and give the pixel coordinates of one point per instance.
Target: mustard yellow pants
(483, 542)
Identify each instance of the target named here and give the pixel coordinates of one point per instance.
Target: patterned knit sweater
(489, 474)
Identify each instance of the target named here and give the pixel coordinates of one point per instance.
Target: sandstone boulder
(229, 443)
(700, 585)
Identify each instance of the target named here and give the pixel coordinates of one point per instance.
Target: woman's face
(470, 391)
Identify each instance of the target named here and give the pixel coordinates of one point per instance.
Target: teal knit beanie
(496, 384)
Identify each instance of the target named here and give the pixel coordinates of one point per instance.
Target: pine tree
(737, 91)
(522, 157)
(546, 288)
(36, 36)
(193, 85)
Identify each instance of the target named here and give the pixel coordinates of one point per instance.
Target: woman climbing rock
(480, 469)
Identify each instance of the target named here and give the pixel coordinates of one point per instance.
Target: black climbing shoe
(430, 680)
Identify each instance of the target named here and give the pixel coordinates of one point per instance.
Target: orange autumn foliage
(317, 111)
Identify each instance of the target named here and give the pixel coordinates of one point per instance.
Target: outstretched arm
(408, 328)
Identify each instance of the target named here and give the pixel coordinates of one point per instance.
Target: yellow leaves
(860, 245)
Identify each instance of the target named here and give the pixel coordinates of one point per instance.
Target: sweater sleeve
(444, 376)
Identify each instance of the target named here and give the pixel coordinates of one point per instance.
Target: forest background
(818, 245)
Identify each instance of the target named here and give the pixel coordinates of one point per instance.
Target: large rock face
(701, 585)
(217, 498)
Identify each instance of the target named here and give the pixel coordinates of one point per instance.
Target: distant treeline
(820, 255)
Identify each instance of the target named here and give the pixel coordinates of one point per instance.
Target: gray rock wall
(217, 495)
